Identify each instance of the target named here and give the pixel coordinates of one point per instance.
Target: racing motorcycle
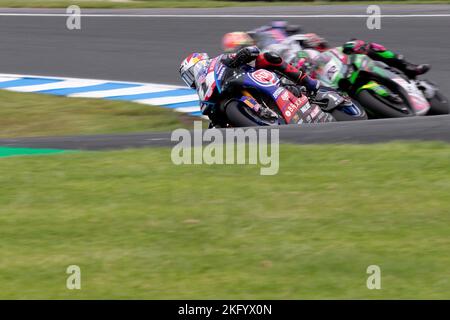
(382, 90)
(245, 96)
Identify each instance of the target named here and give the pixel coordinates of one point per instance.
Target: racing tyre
(439, 104)
(378, 107)
(238, 116)
(358, 113)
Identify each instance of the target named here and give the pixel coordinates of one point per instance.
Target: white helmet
(187, 67)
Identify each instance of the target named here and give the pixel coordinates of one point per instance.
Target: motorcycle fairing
(334, 66)
(288, 104)
(293, 109)
(416, 98)
(205, 75)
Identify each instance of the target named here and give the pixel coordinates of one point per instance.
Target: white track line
(193, 105)
(6, 78)
(168, 100)
(56, 85)
(123, 91)
(188, 109)
(87, 15)
(13, 76)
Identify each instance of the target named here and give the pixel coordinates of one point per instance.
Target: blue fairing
(350, 110)
(219, 70)
(247, 80)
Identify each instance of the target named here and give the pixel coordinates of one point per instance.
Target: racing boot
(411, 70)
(380, 53)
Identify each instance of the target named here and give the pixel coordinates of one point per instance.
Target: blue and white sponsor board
(177, 98)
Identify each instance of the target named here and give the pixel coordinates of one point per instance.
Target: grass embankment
(187, 3)
(140, 227)
(29, 114)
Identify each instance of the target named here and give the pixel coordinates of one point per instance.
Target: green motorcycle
(383, 91)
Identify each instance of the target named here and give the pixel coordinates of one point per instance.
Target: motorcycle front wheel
(438, 104)
(239, 115)
(380, 108)
(349, 113)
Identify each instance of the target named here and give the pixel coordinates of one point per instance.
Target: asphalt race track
(149, 48)
(418, 128)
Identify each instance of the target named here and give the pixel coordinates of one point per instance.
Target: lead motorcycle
(245, 96)
(382, 90)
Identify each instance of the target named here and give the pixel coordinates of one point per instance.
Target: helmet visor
(188, 77)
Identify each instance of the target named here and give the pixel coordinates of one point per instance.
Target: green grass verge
(29, 114)
(186, 3)
(140, 227)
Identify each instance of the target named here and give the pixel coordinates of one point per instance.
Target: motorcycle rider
(272, 37)
(193, 71)
(380, 53)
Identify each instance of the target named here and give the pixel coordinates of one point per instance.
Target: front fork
(265, 112)
(381, 91)
(428, 88)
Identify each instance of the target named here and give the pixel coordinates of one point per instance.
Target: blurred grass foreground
(139, 226)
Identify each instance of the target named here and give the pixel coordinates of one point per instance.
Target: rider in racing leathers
(193, 71)
(272, 37)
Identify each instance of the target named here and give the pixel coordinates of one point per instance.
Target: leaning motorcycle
(383, 91)
(245, 96)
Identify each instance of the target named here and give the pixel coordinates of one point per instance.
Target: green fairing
(358, 60)
(375, 87)
(379, 71)
(354, 76)
(386, 54)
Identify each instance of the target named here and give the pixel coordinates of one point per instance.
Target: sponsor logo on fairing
(212, 65)
(293, 107)
(285, 96)
(220, 72)
(315, 111)
(416, 96)
(331, 72)
(264, 78)
(305, 108)
(278, 92)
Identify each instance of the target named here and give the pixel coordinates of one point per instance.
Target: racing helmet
(187, 67)
(279, 24)
(233, 41)
(314, 41)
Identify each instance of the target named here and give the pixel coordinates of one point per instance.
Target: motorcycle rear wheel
(374, 105)
(341, 115)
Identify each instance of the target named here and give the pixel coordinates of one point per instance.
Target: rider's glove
(246, 55)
